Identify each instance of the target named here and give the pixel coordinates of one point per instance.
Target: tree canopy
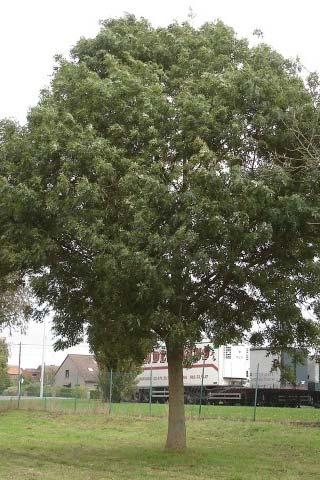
(158, 191)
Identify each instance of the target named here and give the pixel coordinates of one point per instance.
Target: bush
(32, 389)
(80, 392)
(11, 391)
(124, 384)
(71, 392)
(95, 395)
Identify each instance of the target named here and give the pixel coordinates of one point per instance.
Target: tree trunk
(176, 438)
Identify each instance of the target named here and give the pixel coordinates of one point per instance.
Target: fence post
(75, 403)
(201, 388)
(110, 393)
(19, 384)
(150, 392)
(256, 394)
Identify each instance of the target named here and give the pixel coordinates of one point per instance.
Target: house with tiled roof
(32, 374)
(78, 370)
(13, 372)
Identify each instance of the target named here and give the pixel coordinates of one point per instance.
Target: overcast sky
(33, 31)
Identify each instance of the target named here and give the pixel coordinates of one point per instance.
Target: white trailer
(220, 366)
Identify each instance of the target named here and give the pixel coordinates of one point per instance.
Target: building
(77, 370)
(13, 373)
(32, 374)
(270, 377)
(223, 365)
(313, 371)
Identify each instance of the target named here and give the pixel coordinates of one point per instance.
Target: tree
(158, 192)
(112, 357)
(122, 381)
(50, 374)
(15, 301)
(4, 354)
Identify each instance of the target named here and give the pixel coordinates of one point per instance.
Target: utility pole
(20, 379)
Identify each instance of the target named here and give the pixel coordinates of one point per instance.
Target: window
(227, 352)
(67, 373)
(155, 356)
(247, 354)
(163, 356)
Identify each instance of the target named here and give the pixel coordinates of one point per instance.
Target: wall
(217, 369)
(267, 378)
(74, 378)
(235, 365)
(313, 371)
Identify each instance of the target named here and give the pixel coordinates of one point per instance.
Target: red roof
(13, 370)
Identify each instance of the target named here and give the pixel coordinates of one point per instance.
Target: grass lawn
(70, 405)
(47, 445)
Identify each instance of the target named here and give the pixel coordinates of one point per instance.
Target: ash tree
(158, 192)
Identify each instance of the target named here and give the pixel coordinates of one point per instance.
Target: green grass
(267, 414)
(50, 446)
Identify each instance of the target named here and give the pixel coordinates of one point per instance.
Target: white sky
(33, 31)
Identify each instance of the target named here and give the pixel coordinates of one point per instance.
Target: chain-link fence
(36, 377)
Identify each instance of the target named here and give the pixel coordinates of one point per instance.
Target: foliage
(70, 392)
(11, 391)
(95, 395)
(50, 373)
(124, 383)
(123, 365)
(4, 354)
(15, 301)
(32, 389)
(159, 183)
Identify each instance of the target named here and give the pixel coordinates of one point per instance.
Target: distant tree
(158, 192)
(122, 355)
(122, 380)
(287, 363)
(4, 354)
(50, 373)
(31, 388)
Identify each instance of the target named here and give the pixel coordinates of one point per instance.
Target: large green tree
(158, 192)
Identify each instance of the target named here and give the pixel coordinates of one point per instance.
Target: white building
(305, 372)
(268, 378)
(224, 365)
